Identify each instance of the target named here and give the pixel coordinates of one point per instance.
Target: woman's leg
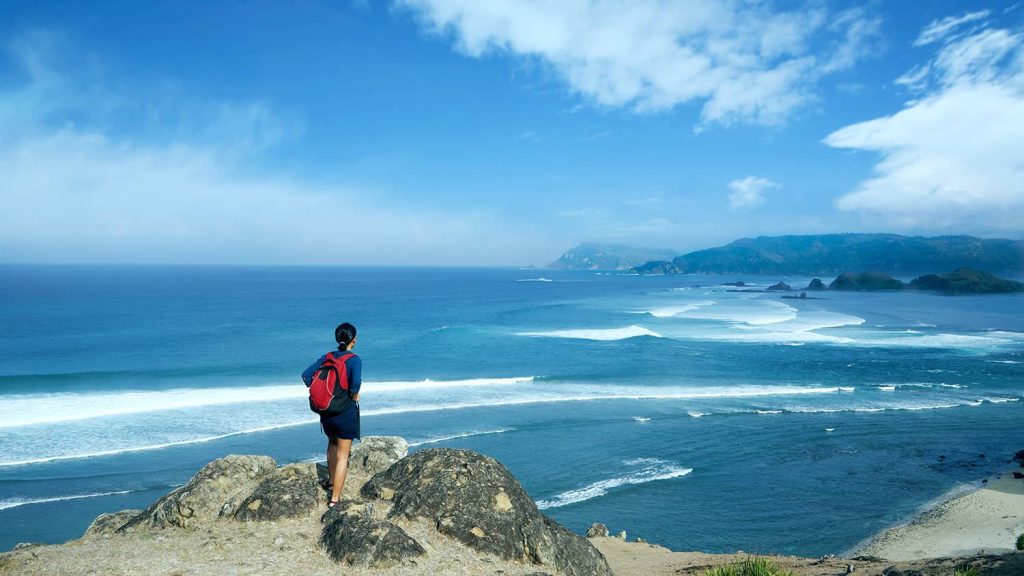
(331, 461)
(342, 448)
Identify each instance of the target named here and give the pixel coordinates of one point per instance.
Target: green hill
(831, 254)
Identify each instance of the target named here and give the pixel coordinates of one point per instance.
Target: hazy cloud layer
(953, 157)
(741, 61)
(189, 186)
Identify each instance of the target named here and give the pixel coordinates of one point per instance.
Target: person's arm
(307, 374)
(355, 376)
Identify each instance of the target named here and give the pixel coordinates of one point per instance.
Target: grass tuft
(753, 566)
(965, 571)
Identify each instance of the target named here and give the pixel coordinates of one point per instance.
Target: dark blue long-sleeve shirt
(353, 365)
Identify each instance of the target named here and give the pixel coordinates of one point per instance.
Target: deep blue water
(669, 407)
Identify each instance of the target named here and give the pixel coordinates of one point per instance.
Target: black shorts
(344, 425)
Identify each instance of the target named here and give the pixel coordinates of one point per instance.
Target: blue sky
(442, 132)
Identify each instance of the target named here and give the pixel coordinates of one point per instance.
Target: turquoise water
(671, 407)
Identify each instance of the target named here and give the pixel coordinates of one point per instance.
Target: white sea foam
(15, 502)
(768, 411)
(428, 384)
(641, 419)
(534, 280)
(32, 409)
(653, 472)
(830, 429)
(1003, 361)
(676, 310)
(886, 388)
(600, 334)
(462, 435)
(910, 407)
(150, 447)
(999, 400)
(846, 389)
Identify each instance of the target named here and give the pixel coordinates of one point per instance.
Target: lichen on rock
(217, 490)
(287, 492)
(354, 537)
(477, 501)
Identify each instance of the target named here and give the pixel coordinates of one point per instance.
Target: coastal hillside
(437, 511)
(831, 254)
(594, 256)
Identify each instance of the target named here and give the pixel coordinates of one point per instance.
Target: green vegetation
(753, 566)
(1020, 542)
(828, 254)
(966, 571)
(966, 281)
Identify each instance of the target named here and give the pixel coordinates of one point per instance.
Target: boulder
(109, 523)
(217, 490)
(354, 537)
(475, 500)
(372, 455)
(597, 530)
(288, 492)
(1019, 457)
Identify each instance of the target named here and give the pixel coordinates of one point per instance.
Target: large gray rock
(217, 490)
(373, 454)
(288, 492)
(474, 499)
(354, 537)
(109, 523)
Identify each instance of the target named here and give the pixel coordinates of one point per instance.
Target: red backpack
(328, 391)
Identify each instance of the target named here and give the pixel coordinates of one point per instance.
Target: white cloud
(743, 61)
(941, 29)
(952, 158)
(748, 193)
(192, 184)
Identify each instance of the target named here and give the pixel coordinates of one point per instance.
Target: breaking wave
(653, 470)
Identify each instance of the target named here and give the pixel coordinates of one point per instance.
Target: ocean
(695, 415)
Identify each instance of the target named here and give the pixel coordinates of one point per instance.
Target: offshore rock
(354, 537)
(597, 530)
(217, 490)
(816, 284)
(372, 455)
(474, 499)
(780, 286)
(288, 492)
(109, 523)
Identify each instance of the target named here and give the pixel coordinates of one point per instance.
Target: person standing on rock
(341, 424)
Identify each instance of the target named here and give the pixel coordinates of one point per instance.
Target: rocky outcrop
(287, 492)
(109, 523)
(352, 536)
(372, 455)
(816, 284)
(966, 281)
(780, 286)
(217, 490)
(475, 500)
(865, 281)
(597, 530)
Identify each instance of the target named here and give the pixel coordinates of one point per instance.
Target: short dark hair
(344, 334)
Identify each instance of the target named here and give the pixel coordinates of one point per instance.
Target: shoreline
(986, 519)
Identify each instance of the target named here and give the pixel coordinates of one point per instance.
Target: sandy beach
(985, 520)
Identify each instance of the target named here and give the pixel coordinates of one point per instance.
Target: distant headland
(822, 255)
